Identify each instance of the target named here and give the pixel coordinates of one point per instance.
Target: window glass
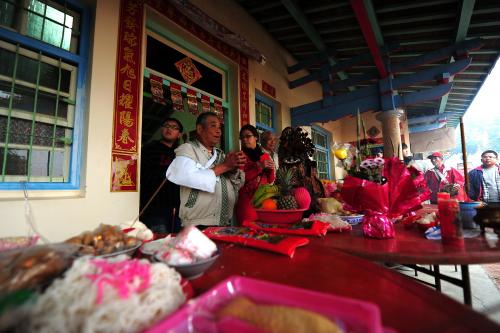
(264, 114)
(321, 143)
(38, 90)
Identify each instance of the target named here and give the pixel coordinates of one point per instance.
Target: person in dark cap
(161, 216)
(443, 179)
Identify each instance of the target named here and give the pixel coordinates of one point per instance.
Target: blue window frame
(43, 75)
(265, 113)
(321, 140)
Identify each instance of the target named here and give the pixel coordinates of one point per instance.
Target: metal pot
(488, 216)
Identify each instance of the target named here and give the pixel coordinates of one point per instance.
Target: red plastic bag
(402, 193)
(310, 228)
(256, 238)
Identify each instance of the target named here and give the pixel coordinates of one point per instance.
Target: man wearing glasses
(484, 181)
(161, 216)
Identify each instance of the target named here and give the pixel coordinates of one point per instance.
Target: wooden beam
(310, 30)
(367, 20)
(366, 99)
(437, 55)
(463, 27)
(314, 60)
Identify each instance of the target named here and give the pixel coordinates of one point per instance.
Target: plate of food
(190, 253)
(105, 241)
(248, 305)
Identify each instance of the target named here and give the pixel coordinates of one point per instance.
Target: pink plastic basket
(198, 315)
(283, 216)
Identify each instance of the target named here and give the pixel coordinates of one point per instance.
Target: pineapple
(285, 180)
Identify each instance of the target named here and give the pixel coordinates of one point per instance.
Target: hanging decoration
(205, 103)
(156, 83)
(125, 139)
(176, 96)
(218, 109)
(192, 102)
(188, 70)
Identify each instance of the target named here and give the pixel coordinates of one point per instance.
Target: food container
(277, 216)
(351, 315)
(195, 269)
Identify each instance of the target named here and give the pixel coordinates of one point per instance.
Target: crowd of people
(204, 186)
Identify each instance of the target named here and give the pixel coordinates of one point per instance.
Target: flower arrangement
(382, 189)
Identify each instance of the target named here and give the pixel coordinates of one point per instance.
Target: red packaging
(310, 228)
(256, 238)
(402, 193)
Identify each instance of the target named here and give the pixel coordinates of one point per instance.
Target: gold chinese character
(130, 38)
(127, 85)
(126, 101)
(130, 23)
(132, 7)
(126, 119)
(128, 54)
(125, 137)
(128, 70)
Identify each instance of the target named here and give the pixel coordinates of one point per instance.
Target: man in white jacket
(208, 178)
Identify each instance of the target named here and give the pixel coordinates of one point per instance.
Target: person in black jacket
(161, 216)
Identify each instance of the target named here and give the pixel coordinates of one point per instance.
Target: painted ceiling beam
(314, 60)
(340, 66)
(430, 74)
(411, 5)
(310, 30)
(316, 112)
(463, 27)
(266, 6)
(426, 119)
(367, 20)
(428, 127)
(438, 55)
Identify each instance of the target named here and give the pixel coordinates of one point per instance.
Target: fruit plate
(199, 315)
(280, 216)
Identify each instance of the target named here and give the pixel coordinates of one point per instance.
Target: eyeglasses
(246, 136)
(168, 126)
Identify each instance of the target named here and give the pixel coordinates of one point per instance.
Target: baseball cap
(435, 154)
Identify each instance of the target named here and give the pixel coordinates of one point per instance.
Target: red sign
(128, 71)
(268, 89)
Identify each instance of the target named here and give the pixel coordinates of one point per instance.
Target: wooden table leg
(437, 278)
(466, 285)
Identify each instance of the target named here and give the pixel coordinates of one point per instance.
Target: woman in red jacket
(259, 169)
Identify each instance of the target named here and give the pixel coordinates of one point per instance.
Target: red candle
(443, 195)
(449, 217)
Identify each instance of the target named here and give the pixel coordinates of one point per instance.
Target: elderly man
(209, 179)
(268, 143)
(484, 181)
(441, 178)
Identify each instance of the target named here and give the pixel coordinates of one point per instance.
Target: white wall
(61, 214)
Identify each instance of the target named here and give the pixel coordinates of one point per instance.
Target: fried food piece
(278, 318)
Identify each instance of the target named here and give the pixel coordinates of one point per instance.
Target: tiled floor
(485, 293)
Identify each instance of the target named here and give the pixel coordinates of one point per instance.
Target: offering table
(405, 305)
(410, 247)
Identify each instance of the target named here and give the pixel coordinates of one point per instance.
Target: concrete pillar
(391, 132)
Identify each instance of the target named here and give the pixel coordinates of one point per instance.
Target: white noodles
(69, 304)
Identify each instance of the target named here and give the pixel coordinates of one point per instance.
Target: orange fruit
(269, 204)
